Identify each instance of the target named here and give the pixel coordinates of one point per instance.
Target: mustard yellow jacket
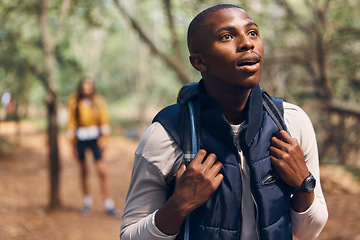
(92, 112)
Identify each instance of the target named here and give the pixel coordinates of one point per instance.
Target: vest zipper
(242, 187)
(241, 176)
(256, 216)
(236, 144)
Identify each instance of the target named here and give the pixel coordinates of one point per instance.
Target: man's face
(232, 50)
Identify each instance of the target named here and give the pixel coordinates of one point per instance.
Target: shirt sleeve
(308, 224)
(104, 117)
(71, 124)
(157, 158)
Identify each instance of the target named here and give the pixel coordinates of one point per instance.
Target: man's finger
(284, 136)
(199, 157)
(210, 160)
(181, 170)
(218, 179)
(215, 166)
(275, 152)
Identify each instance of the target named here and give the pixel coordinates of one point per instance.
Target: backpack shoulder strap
(189, 129)
(274, 106)
(189, 120)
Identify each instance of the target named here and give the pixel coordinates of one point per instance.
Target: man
(248, 180)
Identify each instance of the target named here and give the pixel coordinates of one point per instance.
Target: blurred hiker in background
(87, 128)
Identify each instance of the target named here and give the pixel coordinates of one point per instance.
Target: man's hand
(194, 186)
(196, 183)
(288, 160)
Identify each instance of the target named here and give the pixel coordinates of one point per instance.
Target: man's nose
(245, 44)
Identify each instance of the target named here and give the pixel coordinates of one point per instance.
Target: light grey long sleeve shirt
(158, 157)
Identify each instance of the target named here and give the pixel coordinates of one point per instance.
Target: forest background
(136, 51)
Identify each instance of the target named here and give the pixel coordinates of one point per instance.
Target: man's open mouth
(248, 63)
(248, 59)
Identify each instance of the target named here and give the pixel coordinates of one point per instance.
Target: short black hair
(199, 21)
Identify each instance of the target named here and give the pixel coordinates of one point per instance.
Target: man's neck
(234, 109)
(232, 101)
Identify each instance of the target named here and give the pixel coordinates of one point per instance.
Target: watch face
(310, 183)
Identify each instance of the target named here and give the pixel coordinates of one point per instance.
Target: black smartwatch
(307, 185)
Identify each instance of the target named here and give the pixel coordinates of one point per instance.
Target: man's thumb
(181, 170)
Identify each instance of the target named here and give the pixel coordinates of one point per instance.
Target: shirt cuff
(156, 232)
(308, 212)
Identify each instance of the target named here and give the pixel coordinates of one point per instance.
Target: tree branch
(65, 7)
(40, 76)
(184, 78)
(292, 15)
(344, 107)
(45, 33)
(174, 36)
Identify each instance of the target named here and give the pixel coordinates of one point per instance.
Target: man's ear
(197, 61)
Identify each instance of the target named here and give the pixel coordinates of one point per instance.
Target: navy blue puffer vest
(220, 217)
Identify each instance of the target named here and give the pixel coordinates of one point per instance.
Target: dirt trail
(24, 192)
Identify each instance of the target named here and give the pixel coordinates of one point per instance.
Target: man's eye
(226, 37)
(253, 33)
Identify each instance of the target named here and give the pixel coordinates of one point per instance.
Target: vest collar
(212, 115)
(254, 116)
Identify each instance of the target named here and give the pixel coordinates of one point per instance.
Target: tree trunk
(54, 161)
(48, 44)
